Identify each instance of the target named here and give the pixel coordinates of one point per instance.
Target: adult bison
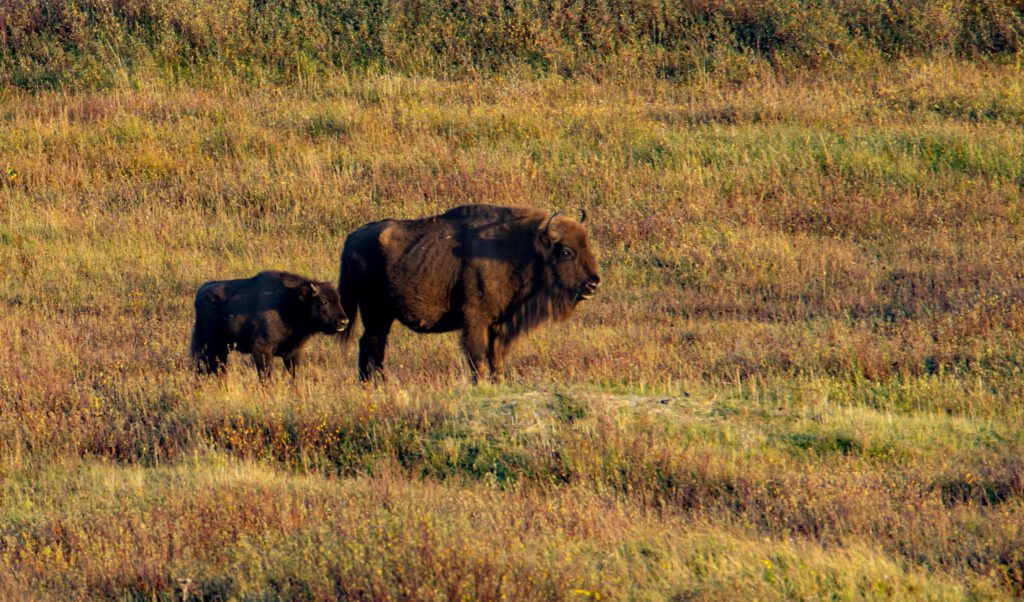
(271, 314)
(492, 272)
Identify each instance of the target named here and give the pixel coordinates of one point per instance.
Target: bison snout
(590, 288)
(341, 324)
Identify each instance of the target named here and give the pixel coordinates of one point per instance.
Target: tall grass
(46, 43)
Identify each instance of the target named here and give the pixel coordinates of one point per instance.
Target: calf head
(570, 264)
(323, 305)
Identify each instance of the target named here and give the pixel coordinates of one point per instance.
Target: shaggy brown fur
(492, 272)
(270, 314)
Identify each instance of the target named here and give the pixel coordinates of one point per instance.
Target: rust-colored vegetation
(802, 377)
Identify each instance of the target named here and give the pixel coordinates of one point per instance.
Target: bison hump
(488, 212)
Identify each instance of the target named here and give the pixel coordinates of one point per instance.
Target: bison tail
(196, 345)
(349, 301)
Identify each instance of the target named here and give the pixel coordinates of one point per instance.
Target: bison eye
(564, 253)
(323, 301)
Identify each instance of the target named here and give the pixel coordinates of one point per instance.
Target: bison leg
(496, 347)
(214, 360)
(211, 358)
(371, 347)
(292, 361)
(263, 358)
(209, 348)
(474, 343)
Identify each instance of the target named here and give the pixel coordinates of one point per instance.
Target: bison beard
(538, 307)
(492, 272)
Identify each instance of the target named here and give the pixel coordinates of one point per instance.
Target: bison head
(324, 306)
(572, 268)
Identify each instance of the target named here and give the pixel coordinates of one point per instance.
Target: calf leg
(209, 349)
(263, 357)
(211, 356)
(371, 346)
(214, 360)
(292, 361)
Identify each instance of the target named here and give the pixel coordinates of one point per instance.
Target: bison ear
(548, 234)
(307, 291)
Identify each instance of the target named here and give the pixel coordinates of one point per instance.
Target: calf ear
(307, 291)
(547, 233)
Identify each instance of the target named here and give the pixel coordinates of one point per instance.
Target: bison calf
(272, 313)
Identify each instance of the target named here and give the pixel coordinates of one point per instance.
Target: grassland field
(802, 378)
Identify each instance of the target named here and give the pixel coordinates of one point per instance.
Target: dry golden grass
(802, 378)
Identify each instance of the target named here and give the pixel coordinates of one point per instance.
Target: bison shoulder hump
(485, 211)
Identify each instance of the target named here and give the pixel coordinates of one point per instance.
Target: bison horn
(551, 234)
(583, 215)
(313, 290)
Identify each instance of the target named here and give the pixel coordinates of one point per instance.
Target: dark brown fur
(270, 314)
(492, 272)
